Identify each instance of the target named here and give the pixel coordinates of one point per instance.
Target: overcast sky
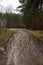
(5, 3)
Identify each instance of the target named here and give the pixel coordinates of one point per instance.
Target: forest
(30, 16)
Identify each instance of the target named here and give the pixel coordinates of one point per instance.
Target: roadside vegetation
(37, 33)
(5, 35)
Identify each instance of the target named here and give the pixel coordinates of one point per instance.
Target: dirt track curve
(24, 48)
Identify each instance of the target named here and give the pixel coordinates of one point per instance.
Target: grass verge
(37, 33)
(4, 36)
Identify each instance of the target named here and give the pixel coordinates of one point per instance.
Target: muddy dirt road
(24, 48)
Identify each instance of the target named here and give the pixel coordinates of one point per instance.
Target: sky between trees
(6, 4)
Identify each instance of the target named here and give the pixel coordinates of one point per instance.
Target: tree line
(10, 20)
(31, 16)
(32, 11)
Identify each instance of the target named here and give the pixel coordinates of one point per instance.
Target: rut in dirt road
(24, 49)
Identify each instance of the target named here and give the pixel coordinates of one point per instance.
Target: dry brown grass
(4, 36)
(38, 34)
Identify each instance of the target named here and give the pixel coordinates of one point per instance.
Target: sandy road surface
(24, 49)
